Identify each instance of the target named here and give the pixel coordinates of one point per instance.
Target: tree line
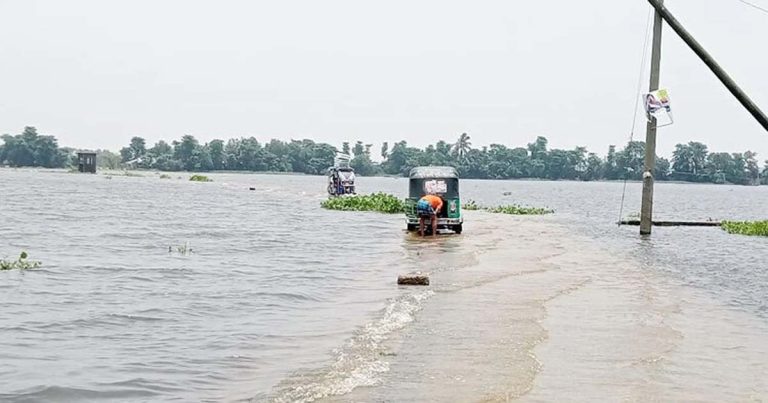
(691, 162)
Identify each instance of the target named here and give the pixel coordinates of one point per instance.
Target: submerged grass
(21, 263)
(754, 228)
(381, 202)
(200, 178)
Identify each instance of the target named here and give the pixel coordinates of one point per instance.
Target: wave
(358, 363)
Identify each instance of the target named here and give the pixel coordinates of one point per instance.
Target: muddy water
(283, 301)
(546, 316)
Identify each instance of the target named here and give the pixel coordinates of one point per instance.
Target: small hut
(86, 161)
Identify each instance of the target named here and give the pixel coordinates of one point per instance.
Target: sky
(96, 73)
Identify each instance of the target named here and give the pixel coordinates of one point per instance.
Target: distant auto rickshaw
(341, 177)
(439, 181)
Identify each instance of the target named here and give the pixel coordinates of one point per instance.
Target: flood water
(276, 299)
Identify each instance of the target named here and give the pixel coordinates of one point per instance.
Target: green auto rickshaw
(439, 181)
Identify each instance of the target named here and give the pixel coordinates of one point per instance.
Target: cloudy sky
(95, 73)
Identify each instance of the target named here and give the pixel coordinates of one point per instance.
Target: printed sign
(435, 187)
(657, 105)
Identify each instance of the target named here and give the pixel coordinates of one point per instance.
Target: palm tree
(462, 146)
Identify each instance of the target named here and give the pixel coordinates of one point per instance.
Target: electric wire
(753, 5)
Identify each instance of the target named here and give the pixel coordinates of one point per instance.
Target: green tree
(594, 169)
(689, 161)
(135, 150)
(218, 157)
(752, 169)
(106, 159)
(358, 149)
(32, 149)
(462, 146)
(187, 152)
(630, 160)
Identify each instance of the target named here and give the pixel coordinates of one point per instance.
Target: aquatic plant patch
(470, 206)
(754, 228)
(21, 263)
(381, 202)
(515, 209)
(200, 178)
(184, 249)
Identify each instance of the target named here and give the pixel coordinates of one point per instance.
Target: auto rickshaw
(439, 181)
(341, 177)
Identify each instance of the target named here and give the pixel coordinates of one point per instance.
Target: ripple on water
(279, 293)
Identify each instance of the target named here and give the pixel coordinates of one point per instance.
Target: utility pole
(646, 210)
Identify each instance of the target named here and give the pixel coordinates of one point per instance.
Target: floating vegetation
(515, 209)
(381, 202)
(470, 205)
(755, 228)
(22, 263)
(200, 178)
(165, 176)
(184, 249)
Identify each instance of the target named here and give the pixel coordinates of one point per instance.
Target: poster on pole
(657, 105)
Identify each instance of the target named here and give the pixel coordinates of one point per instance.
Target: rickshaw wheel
(457, 228)
(413, 227)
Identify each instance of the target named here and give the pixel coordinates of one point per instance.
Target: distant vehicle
(439, 181)
(341, 177)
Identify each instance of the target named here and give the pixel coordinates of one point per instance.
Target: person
(428, 207)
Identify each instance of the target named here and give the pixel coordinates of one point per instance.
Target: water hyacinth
(512, 209)
(200, 178)
(519, 210)
(755, 228)
(22, 263)
(381, 202)
(470, 206)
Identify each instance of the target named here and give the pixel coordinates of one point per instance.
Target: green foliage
(519, 210)
(470, 205)
(381, 202)
(106, 159)
(200, 178)
(756, 228)
(30, 149)
(137, 149)
(21, 263)
(691, 162)
(509, 209)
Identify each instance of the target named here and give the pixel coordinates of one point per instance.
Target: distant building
(86, 161)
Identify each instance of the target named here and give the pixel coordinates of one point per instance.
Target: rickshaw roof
(433, 172)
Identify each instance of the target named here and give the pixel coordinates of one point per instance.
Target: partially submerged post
(646, 209)
(646, 212)
(86, 161)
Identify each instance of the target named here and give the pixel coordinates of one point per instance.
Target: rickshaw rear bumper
(441, 222)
